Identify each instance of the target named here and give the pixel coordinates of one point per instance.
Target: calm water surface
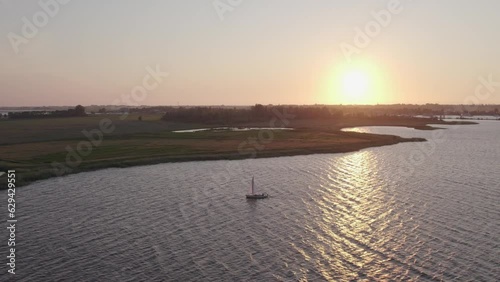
(413, 212)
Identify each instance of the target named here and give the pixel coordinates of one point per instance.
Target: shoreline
(207, 146)
(388, 140)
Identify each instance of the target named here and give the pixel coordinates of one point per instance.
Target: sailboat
(254, 195)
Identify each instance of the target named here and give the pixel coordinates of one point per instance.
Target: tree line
(78, 111)
(255, 113)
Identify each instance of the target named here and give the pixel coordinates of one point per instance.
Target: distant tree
(102, 110)
(80, 110)
(258, 108)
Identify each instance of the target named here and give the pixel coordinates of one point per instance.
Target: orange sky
(279, 52)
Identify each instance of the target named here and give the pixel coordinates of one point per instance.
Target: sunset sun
(359, 83)
(355, 85)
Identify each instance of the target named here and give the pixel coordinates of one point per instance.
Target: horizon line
(242, 105)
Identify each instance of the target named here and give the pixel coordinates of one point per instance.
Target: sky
(242, 52)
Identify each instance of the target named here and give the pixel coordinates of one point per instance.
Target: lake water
(222, 129)
(412, 211)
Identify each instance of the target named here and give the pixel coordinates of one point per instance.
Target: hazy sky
(250, 51)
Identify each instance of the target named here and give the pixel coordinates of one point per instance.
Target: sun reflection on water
(351, 231)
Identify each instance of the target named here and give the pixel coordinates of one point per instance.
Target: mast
(253, 189)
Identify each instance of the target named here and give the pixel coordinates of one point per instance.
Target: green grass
(37, 130)
(30, 146)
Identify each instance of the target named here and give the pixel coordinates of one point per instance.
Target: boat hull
(257, 196)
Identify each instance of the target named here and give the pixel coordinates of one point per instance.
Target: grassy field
(32, 146)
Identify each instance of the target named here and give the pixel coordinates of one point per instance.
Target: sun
(355, 85)
(360, 83)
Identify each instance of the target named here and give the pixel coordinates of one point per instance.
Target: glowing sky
(260, 51)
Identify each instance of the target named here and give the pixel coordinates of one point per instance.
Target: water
(387, 213)
(231, 129)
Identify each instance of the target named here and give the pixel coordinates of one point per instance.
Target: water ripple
(332, 217)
